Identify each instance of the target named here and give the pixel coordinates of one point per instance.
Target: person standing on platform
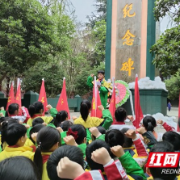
(104, 86)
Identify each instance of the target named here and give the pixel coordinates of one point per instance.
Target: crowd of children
(51, 147)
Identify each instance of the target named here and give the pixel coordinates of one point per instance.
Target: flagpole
(178, 129)
(113, 81)
(131, 102)
(17, 82)
(95, 84)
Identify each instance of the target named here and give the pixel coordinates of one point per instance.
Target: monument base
(152, 101)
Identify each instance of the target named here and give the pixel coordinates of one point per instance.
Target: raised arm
(89, 82)
(107, 119)
(141, 149)
(113, 169)
(129, 164)
(166, 126)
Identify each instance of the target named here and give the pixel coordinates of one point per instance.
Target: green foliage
(99, 35)
(82, 76)
(39, 41)
(28, 35)
(167, 48)
(164, 7)
(54, 69)
(77, 66)
(101, 10)
(173, 86)
(51, 72)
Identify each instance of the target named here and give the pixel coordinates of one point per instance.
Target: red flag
(138, 110)
(18, 96)
(112, 106)
(96, 101)
(62, 104)
(42, 96)
(11, 98)
(178, 129)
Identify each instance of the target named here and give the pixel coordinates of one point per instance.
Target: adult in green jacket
(103, 86)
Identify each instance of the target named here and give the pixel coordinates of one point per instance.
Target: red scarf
(118, 123)
(33, 148)
(15, 146)
(45, 158)
(37, 115)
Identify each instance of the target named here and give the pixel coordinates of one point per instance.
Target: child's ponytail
(47, 137)
(150, 127)
(38, 159)
(4, 126)
(85, 109)
(149, 123)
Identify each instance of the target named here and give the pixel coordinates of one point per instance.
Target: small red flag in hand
(11, 98)
(138, 110)
(62, 104)
(18, 96)
(112, 106)
(96, 101)
(42, 96)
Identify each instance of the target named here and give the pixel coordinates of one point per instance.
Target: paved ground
(72, 113)
(173, 112)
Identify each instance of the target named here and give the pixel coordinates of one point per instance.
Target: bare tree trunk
(15, 86)
(160, 74)
(7, 86)
(1, 79)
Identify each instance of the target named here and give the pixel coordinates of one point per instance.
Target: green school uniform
(51, 125)
(83, 147)
(108, 120)
(131, 166)
(88, 136)
(63, 135)
(3, 112)
(53, 112)
(101, 137)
